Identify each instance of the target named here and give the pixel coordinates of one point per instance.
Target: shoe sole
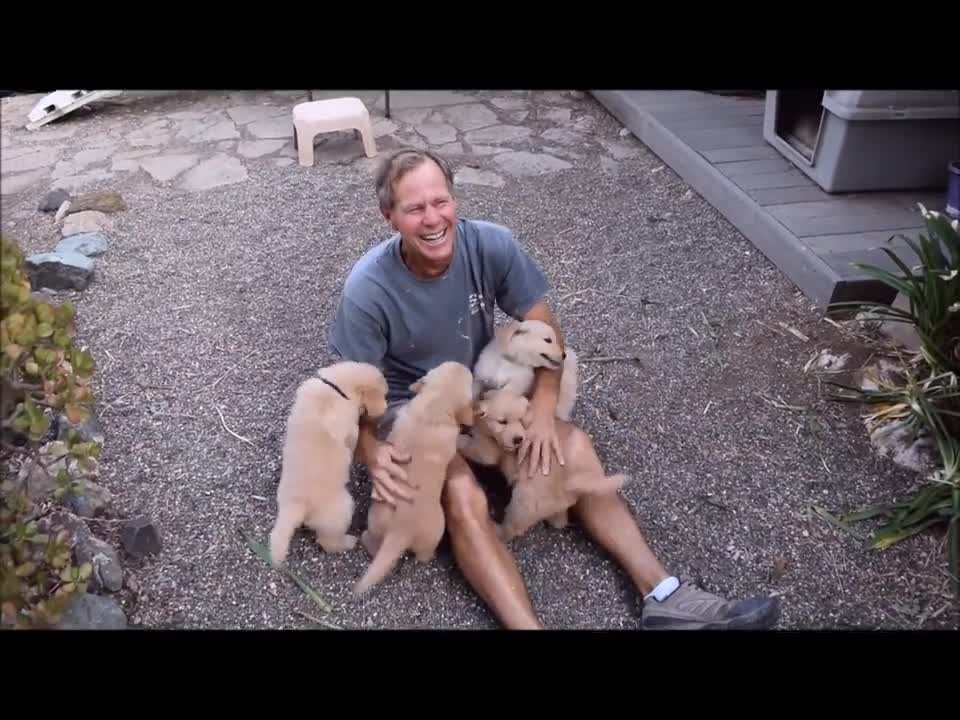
(762, 618)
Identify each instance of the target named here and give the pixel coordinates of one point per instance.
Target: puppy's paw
(369, 543)
(559, 520)
(344, 543)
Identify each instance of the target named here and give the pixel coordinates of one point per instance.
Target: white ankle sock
(664, 589)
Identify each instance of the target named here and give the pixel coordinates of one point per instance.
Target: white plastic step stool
(318, 116)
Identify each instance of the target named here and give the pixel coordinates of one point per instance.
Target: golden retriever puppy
(321, 437)
(497, 434)
(426, 428)
(517, 349)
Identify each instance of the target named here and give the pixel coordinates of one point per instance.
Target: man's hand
(541, 442)
(390, 481)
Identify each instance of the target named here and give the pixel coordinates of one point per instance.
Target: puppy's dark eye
(549, 340)
(502, 422)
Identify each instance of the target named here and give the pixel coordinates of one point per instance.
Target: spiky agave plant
(927, 396)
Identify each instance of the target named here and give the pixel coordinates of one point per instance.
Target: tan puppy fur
(427, 428)
(497, 435)
(321, 437)
(517, 349)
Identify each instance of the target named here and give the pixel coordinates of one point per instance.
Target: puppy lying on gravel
(496, 437)
(517, 349)
(321, 437)
(426, 428)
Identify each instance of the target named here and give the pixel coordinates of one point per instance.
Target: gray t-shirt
(406, 326)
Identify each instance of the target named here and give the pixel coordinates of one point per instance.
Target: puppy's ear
(417, 386)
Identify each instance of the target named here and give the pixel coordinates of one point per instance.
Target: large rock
(53, 200)
(40, 484)
(84, 222)
(107, 573)
(92, 501)
(88, 244)
(906, 447)
(141, 537)
(93, 612)
(60, 270)
(107, 201)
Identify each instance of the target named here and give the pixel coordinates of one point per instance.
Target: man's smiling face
(425, 214)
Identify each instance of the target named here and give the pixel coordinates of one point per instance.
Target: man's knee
(463, 499)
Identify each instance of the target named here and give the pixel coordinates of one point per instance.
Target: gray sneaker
(690, 608)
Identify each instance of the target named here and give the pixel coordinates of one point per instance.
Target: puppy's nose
(564, 354)
(517, 439)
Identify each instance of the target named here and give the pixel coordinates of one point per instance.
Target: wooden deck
(715, 143)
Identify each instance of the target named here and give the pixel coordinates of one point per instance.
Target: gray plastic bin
(860, 140)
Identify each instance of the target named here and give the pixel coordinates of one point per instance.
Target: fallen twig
(611, 358)
(564, 231)
(224, 423)
(793, 331)
(264, 555)
(235, 366)
(780, 404)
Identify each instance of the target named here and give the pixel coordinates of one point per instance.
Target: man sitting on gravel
(425, 296)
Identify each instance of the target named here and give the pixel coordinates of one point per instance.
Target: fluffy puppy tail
(383, 563)
(602, 485)
(289, 518)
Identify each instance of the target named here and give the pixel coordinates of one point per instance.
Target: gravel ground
(219, 301)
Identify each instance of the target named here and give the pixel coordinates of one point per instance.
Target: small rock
(140, 537)
(826, 360)
(107, 572)
(61, 212)
(108, 201)
(53, 200)
(93, 500)
(60, 270)
(89, 244)
(93, 612)
(625, 133)
(577, 94)
(904, 446)
(84, 222)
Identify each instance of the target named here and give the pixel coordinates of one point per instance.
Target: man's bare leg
(485, 562)
(609, 522)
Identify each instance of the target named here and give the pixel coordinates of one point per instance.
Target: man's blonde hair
(399, 163)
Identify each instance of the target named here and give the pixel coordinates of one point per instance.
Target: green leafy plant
(42, 374)
(926, 396)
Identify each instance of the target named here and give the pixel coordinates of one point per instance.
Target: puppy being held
(425, 428)
(321, 437)
(499, 432)
(517, 349)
